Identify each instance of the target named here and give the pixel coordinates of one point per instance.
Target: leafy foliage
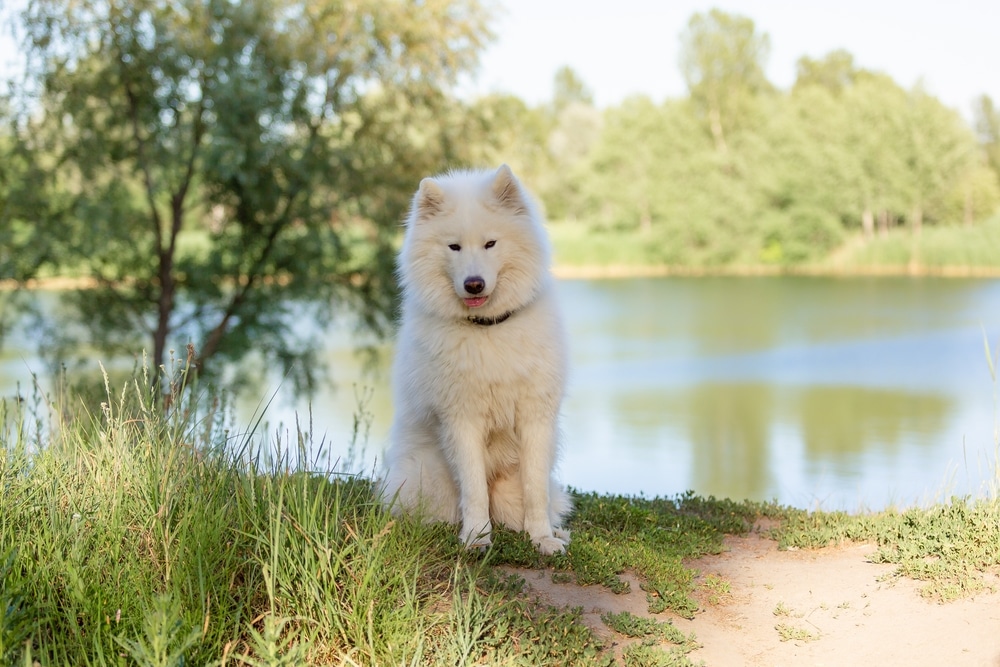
(208, 154)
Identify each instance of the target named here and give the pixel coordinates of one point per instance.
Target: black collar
(490, 321)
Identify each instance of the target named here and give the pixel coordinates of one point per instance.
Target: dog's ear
(508, 191)
(429, 200)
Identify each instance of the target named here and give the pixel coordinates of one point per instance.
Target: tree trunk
(168, 286)
(868, 223)
(918, 219)
(883, 223)
(715, 122)
(967, 213)
(645, 219)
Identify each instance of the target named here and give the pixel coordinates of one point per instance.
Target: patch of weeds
(546, 635)
(719, 590)
(513, 548)
(631, 625)
(950, 546)
(650, 655)
(788, 633)
(562, 578)
(276, 645)
(164, 640)
(781, 610)
(503, 583)
(652, 536)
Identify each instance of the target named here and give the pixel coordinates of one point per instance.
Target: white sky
(622, 47)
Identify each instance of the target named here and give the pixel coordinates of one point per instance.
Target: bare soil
(825, 607)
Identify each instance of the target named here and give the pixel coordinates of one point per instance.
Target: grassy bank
(951, 250)
(130, 535)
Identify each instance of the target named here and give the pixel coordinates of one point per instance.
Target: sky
(623, 47)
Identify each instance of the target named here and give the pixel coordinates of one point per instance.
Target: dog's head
(474, 245)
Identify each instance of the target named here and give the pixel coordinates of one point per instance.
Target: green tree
(502, 128)
(575, 126)
(625, 166)
(221, 160)
(722, 60)
(987, 119)
(834, 72)
(876, 135)
(940, 149)
(805, 176)
(570, 89)
(653, 171)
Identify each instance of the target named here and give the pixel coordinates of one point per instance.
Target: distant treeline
(741, 172)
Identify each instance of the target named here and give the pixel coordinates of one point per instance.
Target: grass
(652, 633)
(937, 248)
(948, 249)
(576, 244)
(788, 633)
(131, 534)
(949, 546)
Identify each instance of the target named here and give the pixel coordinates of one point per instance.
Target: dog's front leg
(538, 445)
(468, 461)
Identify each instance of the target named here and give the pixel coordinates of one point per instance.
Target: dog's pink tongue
(475, 302)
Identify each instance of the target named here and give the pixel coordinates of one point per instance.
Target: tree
(834, 72)
(875, 134)
(569, 89)
(939, 150)
(574, 128)
(221, 160)
(722, 59)
(988, 130)
(805, 175)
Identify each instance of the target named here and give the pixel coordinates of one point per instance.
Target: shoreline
(622, 271)
(616, 271)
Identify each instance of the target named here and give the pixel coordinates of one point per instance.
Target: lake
(833, 393)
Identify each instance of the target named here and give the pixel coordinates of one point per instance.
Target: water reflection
(729, 427)
(840, 422)
(840, 392)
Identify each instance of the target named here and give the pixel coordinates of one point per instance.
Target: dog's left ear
(508, 191)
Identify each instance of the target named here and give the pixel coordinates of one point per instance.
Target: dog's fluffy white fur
(480, 365)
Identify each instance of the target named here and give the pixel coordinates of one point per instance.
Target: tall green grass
(140, 531)
(954, 247)
(131, 534)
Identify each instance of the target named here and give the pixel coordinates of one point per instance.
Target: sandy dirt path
(837, 607)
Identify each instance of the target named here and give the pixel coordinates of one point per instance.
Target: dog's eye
(455, 247)
(490, 244)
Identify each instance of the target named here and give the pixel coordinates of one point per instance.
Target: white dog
(480, 366)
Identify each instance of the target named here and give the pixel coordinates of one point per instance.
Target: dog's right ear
(429, 200)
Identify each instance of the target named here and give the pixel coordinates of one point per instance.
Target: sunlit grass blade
(990, 357)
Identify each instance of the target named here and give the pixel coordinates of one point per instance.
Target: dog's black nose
(474, 285)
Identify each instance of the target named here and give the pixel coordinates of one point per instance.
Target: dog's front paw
(477, 538)
(550, 544)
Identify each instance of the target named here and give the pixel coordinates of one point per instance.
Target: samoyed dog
(480, 366)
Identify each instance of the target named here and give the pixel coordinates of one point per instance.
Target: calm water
(838, 393)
